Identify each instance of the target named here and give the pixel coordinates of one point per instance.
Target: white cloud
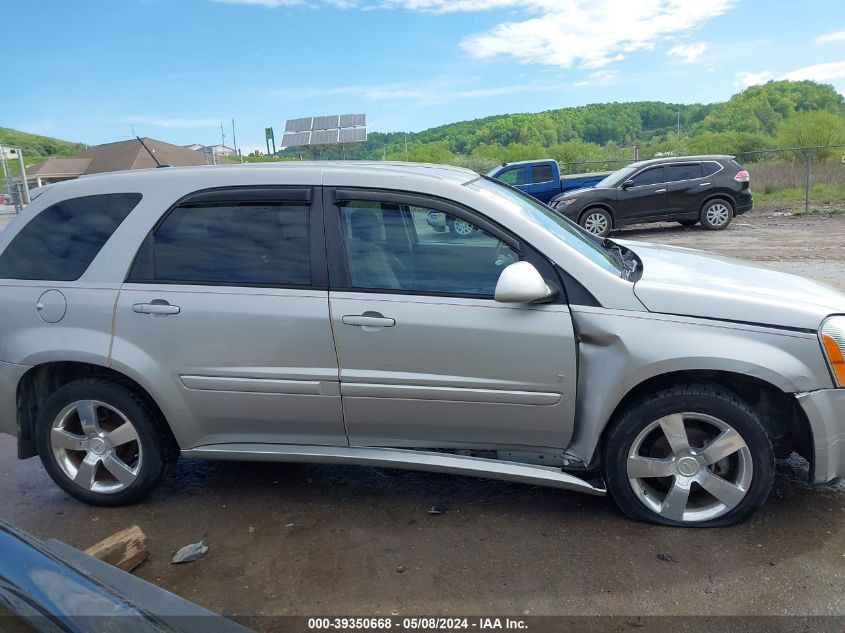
(818, 72)
(562, 33)
(427, 92)
(598, 77)
(587, 33)
(270, 4)
(688, 53)
(836, 36)
(746, 79)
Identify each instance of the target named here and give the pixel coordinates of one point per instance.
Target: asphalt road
(310, 539)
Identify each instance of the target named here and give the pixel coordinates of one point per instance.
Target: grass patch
(820, 193)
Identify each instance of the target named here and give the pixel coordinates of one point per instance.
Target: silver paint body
(264, 373)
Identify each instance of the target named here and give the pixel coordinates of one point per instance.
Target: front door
(644, 200)
(225, 312)
(427, 357)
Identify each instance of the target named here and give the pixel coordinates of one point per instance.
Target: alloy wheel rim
(96, 446)
(718, 214)
(689, 467)
(595, 223)
(462, 227)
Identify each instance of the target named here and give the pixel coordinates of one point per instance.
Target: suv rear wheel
(102, 443)
(716, 214)
(689, 455)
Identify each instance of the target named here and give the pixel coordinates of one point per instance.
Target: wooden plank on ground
(125, 549)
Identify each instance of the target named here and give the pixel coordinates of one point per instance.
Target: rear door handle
(660, 191)
(362, 320)
(704, 184)
(157, 306)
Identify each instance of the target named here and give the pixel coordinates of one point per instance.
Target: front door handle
(366, 320)
(660, 191)
(157, 306)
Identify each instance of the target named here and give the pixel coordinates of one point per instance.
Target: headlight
(566, 203)
(832, 335)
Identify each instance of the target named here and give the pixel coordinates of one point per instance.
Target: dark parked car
(685, 189)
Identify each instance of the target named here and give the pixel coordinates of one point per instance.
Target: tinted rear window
(541, 173)
(683, 172)
(711, 168)
(60, 243)
(231, 244)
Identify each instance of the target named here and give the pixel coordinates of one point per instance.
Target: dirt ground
(310, 539)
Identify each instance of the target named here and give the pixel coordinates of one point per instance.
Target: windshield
(566, 231)
(620, 175)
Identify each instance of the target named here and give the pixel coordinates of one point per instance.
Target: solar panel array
(325, 130)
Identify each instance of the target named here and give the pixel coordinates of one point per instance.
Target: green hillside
(777, 114)
(36, 148)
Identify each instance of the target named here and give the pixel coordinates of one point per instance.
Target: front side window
(653, 176)
(683, 172)
(541, 173)
(416, 249)
(514, 176)
(60, 243)
(231, 244)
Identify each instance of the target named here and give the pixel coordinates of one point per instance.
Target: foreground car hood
(694, 283)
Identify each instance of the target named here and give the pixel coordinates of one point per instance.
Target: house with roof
(118, 156)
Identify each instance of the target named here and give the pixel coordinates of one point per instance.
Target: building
(214, 150)
(118, 156)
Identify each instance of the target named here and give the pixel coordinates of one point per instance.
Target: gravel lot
(300, 539)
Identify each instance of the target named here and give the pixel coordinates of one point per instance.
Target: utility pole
(222, 135)
(406, 147)
(679, 130)
(235, 142)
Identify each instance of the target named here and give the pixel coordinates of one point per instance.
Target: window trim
(339, 277)
(250, 194)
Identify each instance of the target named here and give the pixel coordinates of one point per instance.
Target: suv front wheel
(689, 455)
(102, 443)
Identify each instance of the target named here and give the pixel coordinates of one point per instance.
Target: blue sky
(174, 69)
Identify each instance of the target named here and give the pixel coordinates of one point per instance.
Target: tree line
(775, 114)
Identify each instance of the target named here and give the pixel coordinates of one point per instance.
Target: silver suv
(311, 313)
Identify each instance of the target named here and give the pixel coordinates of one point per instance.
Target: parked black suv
(686, 189)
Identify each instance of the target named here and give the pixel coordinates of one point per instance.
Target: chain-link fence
(812, 175)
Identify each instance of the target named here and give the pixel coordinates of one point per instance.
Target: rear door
(687, 190)
(645, 199)
(427, 357)
(226, 309)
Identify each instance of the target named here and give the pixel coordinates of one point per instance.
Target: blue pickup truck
(541, 179)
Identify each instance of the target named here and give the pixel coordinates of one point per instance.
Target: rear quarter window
(60, 243)
(711, 168)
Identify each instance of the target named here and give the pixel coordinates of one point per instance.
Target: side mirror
(627, 183)
(521, 283)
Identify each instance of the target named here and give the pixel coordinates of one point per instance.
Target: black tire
(155, 448)
(461, 232)
(709, 217)
(687, 222)
(589, 221)
(704, 400)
